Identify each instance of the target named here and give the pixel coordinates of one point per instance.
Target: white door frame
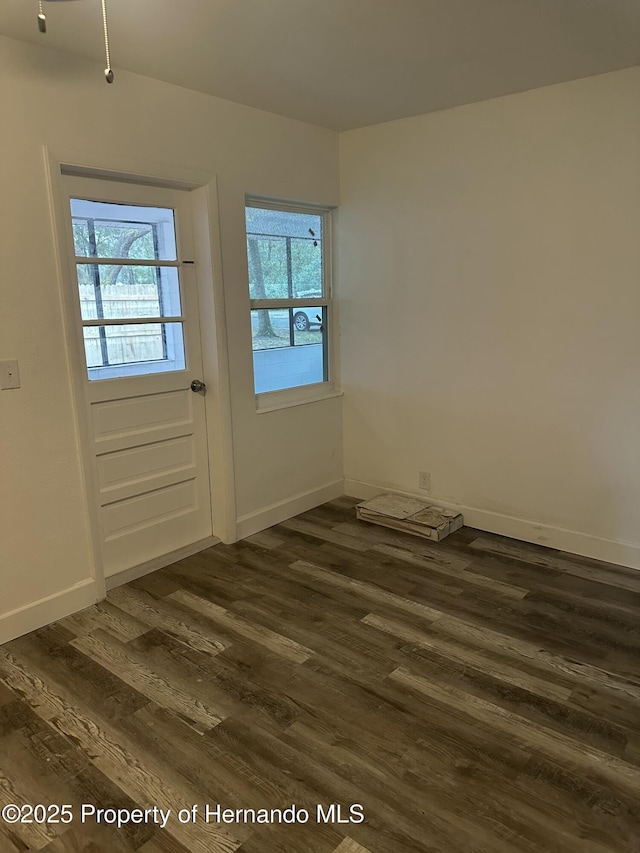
(208, 268)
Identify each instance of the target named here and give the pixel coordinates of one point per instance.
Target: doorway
(137, 330)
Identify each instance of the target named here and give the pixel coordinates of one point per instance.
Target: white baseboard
(47, 610)
(254, 522)
(149, 566)
(571, 541)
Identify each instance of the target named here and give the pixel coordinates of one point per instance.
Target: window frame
(110, 371)
(268, 401)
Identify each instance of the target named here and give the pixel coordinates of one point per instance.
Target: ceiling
(346, 63)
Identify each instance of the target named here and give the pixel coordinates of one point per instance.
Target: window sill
(273, 401)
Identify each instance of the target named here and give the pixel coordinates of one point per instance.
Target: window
(128, 283)
(289, 291)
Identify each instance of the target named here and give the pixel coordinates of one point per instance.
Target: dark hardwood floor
(474, 695)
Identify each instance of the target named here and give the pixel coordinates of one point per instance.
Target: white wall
(49, 99)
(490, 311)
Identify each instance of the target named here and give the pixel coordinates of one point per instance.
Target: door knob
(197, 385)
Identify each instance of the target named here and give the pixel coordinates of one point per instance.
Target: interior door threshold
(159, 562)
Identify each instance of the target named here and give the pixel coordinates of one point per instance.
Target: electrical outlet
(424, 480)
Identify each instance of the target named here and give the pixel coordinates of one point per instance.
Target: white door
(138, 329)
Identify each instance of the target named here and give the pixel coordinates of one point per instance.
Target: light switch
(9, 375)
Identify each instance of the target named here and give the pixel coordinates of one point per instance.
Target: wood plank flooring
(478, 695)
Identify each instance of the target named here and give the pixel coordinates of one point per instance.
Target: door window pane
(117, 292)
(135, 348)
(106, 230)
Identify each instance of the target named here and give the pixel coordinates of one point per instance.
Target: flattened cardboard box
(410, 515)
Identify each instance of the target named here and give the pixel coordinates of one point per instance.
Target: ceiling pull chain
(108, 73)
(42, 20)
